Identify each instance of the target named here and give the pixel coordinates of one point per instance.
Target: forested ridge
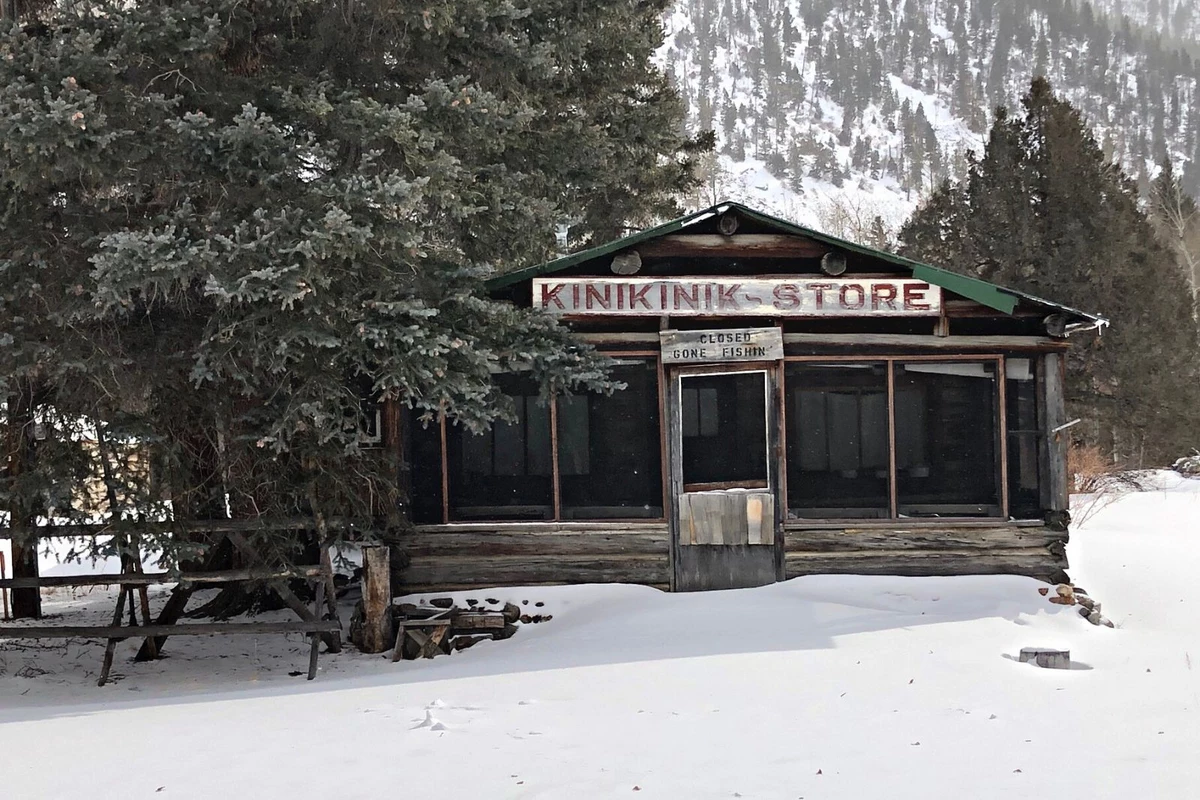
(887, 97)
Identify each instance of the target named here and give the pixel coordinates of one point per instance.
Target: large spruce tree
(223, 222)
(1043, 211)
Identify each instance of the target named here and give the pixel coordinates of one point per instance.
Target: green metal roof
(982, 292)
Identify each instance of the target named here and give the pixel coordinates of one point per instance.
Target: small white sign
(729, 344)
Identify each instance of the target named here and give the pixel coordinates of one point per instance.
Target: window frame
(998, 362)
(654, 356)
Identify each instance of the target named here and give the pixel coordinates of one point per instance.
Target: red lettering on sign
(844, 296)
(883, 294)
(681, 296)
(550, 295)
(786, 296)
(603, 300)
(662, 296)
(727, 296)
(914, 297)
(820, 289)
(639, 296)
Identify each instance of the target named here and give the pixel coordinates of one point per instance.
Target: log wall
(479, 555)
(1002, 549)
(467, 556)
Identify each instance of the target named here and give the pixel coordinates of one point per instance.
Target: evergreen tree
(1044, 212)
(224, 224)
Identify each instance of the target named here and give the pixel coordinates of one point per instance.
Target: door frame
(775, 446)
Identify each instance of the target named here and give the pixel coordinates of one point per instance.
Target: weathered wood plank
(417, 589)
(744, 245)
(1051, 378)
(1034, 562)
(520, 570)
(141, 631)
(268, 525)
(154, 578)
(905, 341)
(503, 543)
(615, 528)
(931, 539)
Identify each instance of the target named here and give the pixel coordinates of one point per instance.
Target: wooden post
(1051, 380)
(378, 632)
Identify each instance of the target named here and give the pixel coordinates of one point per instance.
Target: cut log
(378, 630)
(477, 622)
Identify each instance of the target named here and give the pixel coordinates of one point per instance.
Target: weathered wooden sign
(733, 344)
(728, 297)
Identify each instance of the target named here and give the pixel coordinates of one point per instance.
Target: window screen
(505, 472)
(946, 432)
(610, 450)
(837, 440)
(724, 429)
(425, 460)
(1024, 493)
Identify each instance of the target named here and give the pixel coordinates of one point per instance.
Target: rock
(1046, 658)
(512, 613)
(1085, 601)
(1063, 601)
(441, 602)
(1043, 591)
(507, 633)
(539, 604)
(1065, 590)
(1095, 618)
(491, 601)
(1084, 611)
(524, 602)
(526, 619)
(472, 602)
(463, 642)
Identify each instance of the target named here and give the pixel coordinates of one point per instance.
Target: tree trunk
(26, 603)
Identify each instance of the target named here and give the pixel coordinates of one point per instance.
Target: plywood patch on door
(727, 518)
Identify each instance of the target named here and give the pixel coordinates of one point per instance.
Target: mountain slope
(835, 112)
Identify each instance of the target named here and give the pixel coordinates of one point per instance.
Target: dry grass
(1101, 480)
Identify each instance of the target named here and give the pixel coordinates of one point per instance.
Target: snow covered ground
(821, 687)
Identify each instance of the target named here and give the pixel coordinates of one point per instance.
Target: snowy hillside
(821, 687)
(835, 112)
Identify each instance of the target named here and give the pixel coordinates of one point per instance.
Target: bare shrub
(1098, 481)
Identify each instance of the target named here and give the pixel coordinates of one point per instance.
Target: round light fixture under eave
(833, 263)
(626, 263)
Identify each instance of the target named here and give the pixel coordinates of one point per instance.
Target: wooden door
(723, 446)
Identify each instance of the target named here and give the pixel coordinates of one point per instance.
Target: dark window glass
(505, 472)
(1024, 493)
(837, 440)
(425, 461)
(946, 431)
(609, 450)
(724, 428)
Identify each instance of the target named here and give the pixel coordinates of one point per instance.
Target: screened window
(609, 448)
(719, 412)
(837, 440)
(425, 460)
(506, 471)
(947, 427)
(1024, 496)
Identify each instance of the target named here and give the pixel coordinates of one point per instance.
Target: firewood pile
(443, 627)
